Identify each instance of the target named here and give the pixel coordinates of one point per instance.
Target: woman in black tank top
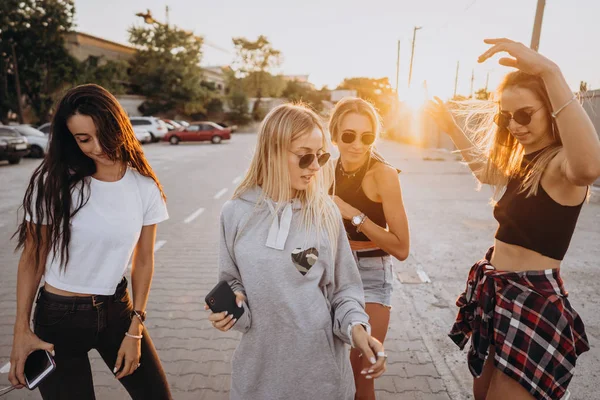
(540, 155)
(367, 192)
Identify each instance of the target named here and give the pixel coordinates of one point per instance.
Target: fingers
(225, 324)
(127, 368)
(240, 299)
(120, 356)
(134, 366)
(217, 317)
(48, 347)
(20, 367)
(378, 364)
(498, 40)
(12, 375)
(229, 325)
(491, 51)
(508, 62)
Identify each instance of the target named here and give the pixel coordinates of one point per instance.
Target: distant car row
(18, 141)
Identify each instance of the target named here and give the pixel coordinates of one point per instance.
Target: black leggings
(75, 325)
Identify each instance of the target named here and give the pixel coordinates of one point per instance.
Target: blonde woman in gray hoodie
(285, 253)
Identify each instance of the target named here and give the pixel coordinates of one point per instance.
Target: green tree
(36, 28)
(254, 58)
(377, 91)
(482, 94)
(166, 69)
(112, 75)
(298, 91)
(238, 104)
(267, 84)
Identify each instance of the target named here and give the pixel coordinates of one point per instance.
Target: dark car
(13, 146)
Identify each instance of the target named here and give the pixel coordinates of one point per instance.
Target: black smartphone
(38, 366)
(221, 298)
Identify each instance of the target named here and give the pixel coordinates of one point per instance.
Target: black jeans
(75, 325)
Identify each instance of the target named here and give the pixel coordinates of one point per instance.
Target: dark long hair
(48, 198)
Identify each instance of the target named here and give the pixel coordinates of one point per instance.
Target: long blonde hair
(269, 170)
(497, 149)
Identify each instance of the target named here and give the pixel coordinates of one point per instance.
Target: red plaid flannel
(526, 315)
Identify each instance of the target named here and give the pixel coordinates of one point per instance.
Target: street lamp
(147, 17)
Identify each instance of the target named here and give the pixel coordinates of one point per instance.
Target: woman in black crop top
(542, 152)
(367, 192)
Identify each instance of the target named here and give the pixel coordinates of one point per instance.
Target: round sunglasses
(349, 137)
(307, 159)
(521, 117)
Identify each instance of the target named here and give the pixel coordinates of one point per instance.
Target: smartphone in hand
(38, 366)
(221, 298)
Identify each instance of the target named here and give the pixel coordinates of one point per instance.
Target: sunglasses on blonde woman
(307, 159)
(521, 117)
(349, 137)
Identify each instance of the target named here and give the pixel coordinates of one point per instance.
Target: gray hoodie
(301, 303)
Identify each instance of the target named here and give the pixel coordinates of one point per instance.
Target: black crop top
(349, 189)
(536, 223)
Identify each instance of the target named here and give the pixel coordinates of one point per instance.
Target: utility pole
(412, 54)
(487, 81)
(167, 16)
(537, 25)
(472, 82)
(398, 68)
(456, 79)
(17, 83)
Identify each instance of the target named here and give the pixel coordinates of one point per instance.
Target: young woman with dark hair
(92, 204)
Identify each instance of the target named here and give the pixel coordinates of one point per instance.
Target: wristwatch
(358, 220)
(141, 315)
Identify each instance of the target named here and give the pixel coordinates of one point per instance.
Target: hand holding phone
(38, 366)
(25, 343)
(225, 305)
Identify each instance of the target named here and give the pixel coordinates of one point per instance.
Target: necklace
(350, 174)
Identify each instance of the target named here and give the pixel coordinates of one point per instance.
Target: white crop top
(104, 233)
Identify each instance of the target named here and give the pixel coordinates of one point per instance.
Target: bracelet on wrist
(133, 336)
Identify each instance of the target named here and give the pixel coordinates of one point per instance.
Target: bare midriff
(510, 257)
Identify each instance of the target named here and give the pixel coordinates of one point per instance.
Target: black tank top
(536, 223)
(349, 188)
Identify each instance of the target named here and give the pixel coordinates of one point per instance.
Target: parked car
(183, 123)
(198, 132)
(44, 128)
(157, 128)
(13, 146)
(176, 125)
(142, 134)
(38, 141)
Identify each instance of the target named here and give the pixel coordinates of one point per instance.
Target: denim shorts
(377, 274)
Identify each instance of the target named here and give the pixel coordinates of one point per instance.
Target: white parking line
(220, 194)
(193, 216)
(423, 275)
(5, 369)
(159, 244)
(237, 180)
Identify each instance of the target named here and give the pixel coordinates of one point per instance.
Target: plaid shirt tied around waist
(526, 316)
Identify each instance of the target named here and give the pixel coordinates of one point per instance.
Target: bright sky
(333, 39)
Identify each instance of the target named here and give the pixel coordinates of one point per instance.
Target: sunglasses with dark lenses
(307, 159)
(521, 117)
(349, 137)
